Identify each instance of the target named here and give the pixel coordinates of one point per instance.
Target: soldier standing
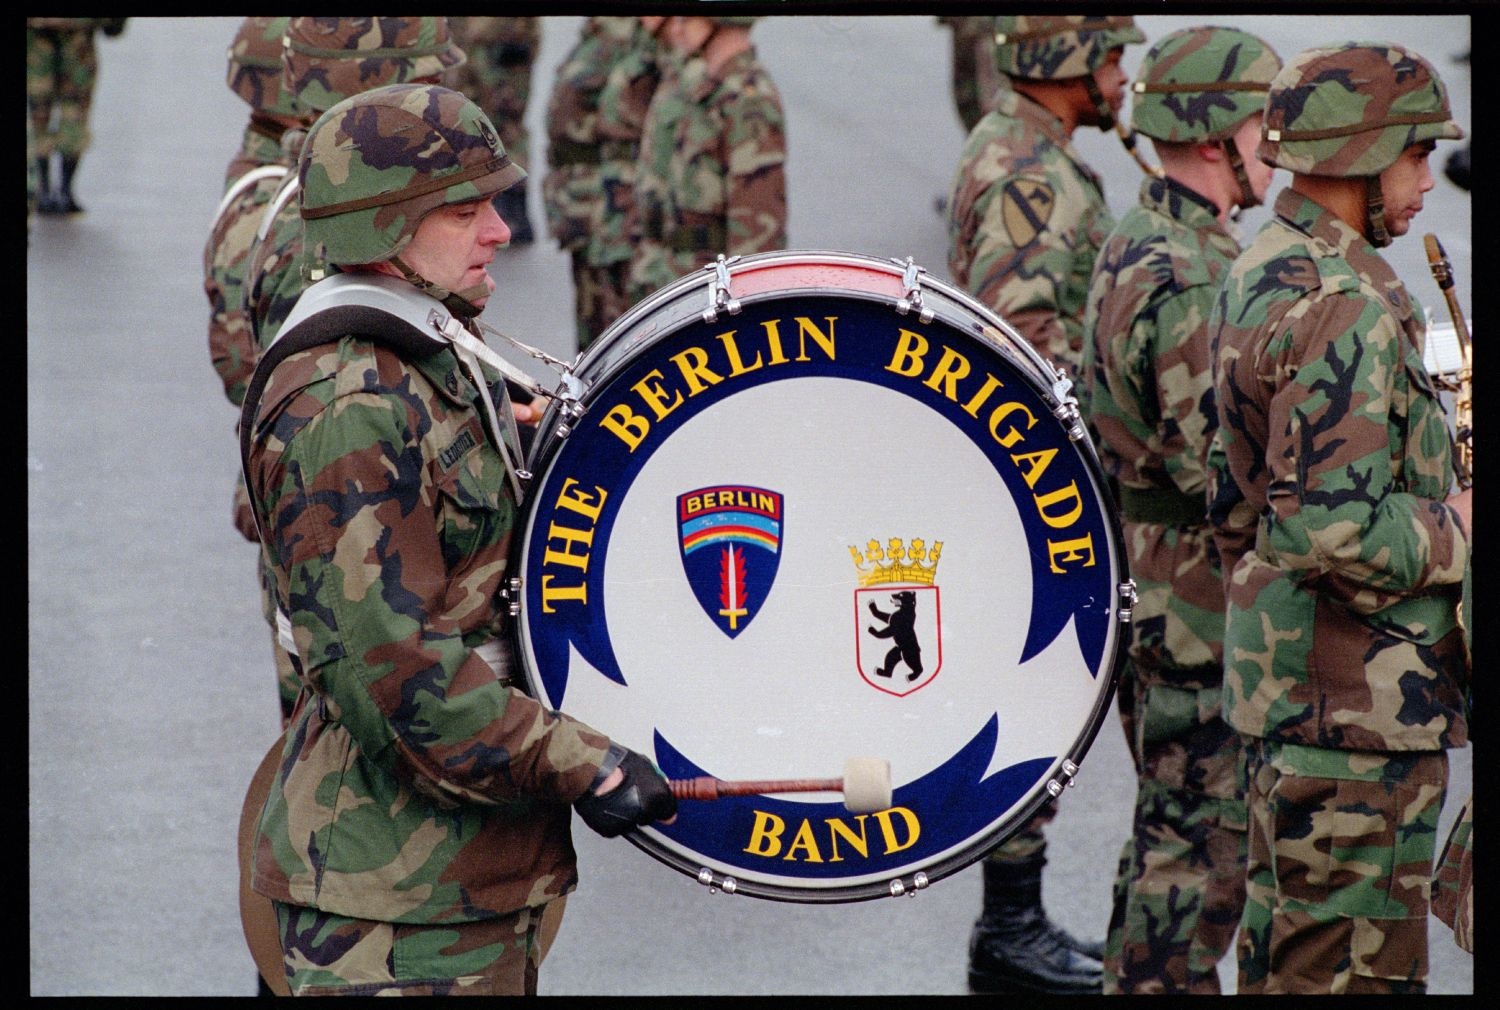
(325, 60)
(1027, 218)
(251, 180)
(1148, 380)
(1343, 550)
(974, 79)
(594, 121)
(61, 68)
(318, 60)
(497, 78)
(419, 824)
(711, 177)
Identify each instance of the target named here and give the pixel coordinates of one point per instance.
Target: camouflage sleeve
(1233, 518)
(755, 187)
(1020, 263)
(1183, 385)
(355, 531)
(231, 341)
(1339, 517)
(274, 282)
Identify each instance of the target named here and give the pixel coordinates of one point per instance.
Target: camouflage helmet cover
(1055, 47)
(255, 67)
(375, 164)
(1351, 110)
(326, 60)
(1200, 84)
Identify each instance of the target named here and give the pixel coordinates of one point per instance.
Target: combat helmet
(255, 67)
(325, 60)
(1199, 85)
(376, 163)
(1348, 111)
(1059, 47)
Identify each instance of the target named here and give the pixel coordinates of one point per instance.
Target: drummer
(420, 823)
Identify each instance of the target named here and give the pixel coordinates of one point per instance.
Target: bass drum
(804, 507)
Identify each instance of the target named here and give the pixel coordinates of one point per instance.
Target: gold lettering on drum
(899, 829)
(699, 370)
(568, 541)
(1059, 507)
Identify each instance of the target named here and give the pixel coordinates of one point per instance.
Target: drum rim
(546, 449)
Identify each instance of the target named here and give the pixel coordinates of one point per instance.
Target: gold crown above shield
(897, 563)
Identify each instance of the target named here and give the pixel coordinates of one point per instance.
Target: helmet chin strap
(460, 303)
(1375, 229)
(1106, 113)
(1247, 198)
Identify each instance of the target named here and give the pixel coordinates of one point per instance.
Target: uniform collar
(1010, 102)
(1323, 225)
(1180, 203)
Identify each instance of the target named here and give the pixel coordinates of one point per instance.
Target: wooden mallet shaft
(706, 787)
(866, 786)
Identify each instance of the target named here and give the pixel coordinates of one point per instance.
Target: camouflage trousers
(61, 66)
(1339, 871)
(598, 296)
(1453, 884)
(1028, 842)
(333, 955)
(1180, 887)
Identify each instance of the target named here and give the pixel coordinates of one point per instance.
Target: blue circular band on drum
(864, 358)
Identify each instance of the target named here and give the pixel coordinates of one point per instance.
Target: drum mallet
(866, 786)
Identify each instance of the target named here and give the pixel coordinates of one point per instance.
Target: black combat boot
(46, 199)
(511, 204)
(65, 202)
(1014, 948)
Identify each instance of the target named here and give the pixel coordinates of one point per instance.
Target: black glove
(642, 798)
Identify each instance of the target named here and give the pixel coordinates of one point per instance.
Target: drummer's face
(453, 246)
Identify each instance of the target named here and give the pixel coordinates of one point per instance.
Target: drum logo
(897, 612)
(730, 538)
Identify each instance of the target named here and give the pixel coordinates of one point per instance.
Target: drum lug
(919, 882)
(568, 405)
(728, 884)
(1128, 599)
(1067, 410)
(718, 291)
(510, 592)
(1064, 779)
(911, 297)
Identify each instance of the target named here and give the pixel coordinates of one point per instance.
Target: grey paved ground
(149, 689)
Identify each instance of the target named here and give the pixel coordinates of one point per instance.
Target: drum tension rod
(510, 592)
(1128, 600)
(911, 296)
(1064, 779)
(1066, 410)
(718, 291)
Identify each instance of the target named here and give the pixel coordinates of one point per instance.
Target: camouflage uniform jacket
(415, 786)
(1148, 385)
(594, 122)
(711, 176)
(226, 255)
(1026, 219)
(275, 278)
(1342, 562)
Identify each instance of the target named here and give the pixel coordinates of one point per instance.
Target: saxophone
(1461, 384)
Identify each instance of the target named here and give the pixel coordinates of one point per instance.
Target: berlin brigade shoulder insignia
(1025, 207)
(730, 536)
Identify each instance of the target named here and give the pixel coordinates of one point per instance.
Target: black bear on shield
(901, 628)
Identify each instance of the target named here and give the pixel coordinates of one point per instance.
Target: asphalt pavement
(150, 697)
